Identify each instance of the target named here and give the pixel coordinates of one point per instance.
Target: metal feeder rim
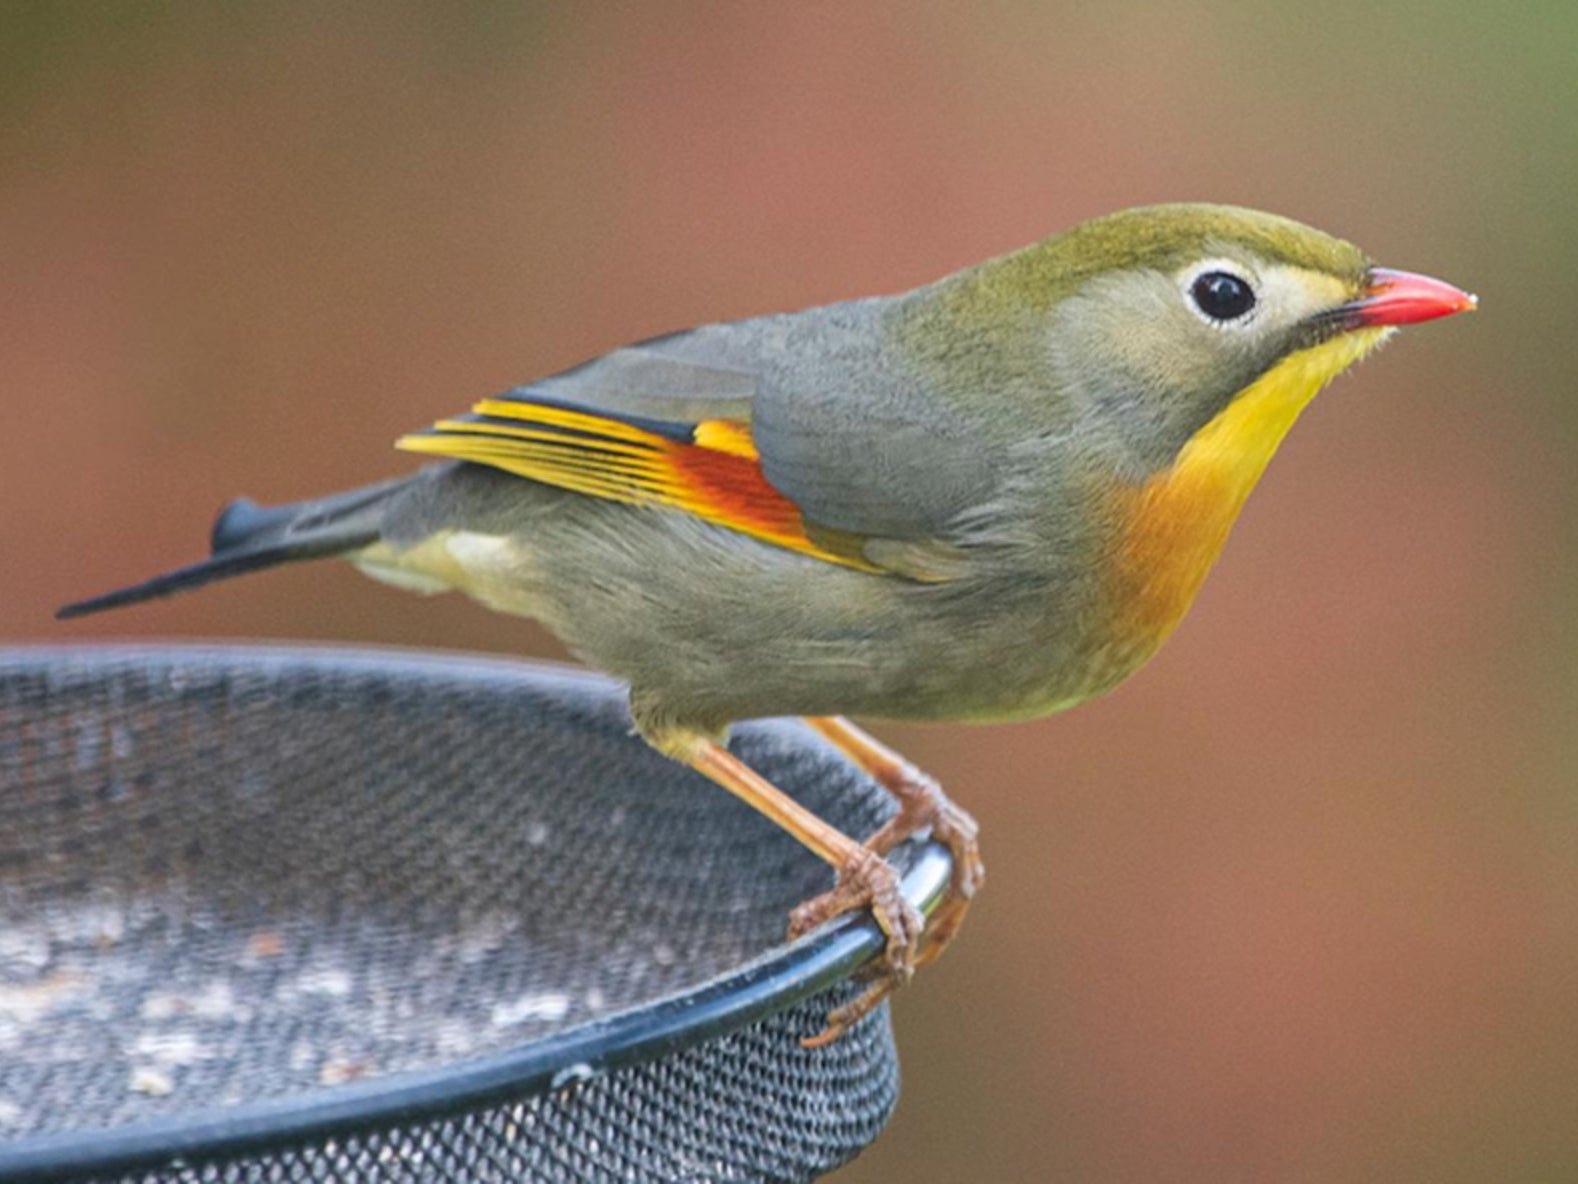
(777, 980)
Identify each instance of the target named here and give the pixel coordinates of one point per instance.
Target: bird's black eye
(1222, 296)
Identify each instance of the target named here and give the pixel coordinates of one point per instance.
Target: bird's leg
(922, 805)
(864, 878)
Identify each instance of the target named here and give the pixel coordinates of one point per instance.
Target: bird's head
(1149, 324)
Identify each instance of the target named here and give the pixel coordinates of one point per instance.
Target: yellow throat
(1178, 520)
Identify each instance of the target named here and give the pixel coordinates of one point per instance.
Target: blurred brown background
(1300, 902)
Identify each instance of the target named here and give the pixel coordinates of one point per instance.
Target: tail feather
(248, 537)
(242, 521)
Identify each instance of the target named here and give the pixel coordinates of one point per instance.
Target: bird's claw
(866, 881)
(924, 806)
(958, 831)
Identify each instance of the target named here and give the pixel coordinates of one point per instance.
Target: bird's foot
(867, 881)
(924, 806)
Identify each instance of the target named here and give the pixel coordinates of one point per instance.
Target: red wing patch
(709, 469)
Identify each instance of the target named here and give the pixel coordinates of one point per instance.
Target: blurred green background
(1300, 902)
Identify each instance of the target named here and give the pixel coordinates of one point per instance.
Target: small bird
(989, 498)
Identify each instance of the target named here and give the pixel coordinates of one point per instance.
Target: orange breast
(1173, 526)
(1173, 529)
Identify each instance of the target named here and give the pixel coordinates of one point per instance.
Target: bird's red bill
(1404, 298)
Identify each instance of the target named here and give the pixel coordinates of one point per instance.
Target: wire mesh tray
(301, 914)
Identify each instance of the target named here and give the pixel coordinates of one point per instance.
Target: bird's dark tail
(248, 537)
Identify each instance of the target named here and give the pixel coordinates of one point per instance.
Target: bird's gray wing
(681, 378)
(719, 419)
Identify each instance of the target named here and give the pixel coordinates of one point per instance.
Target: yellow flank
(1178, 520)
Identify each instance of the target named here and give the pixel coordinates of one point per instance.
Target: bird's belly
(1169, 534)
(1040, 679)
(751, 641)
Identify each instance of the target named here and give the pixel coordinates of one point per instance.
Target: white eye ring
(1220, 294)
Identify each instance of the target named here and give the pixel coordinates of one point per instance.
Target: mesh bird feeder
(312, 915)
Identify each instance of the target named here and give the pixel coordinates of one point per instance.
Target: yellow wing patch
(709, 469)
